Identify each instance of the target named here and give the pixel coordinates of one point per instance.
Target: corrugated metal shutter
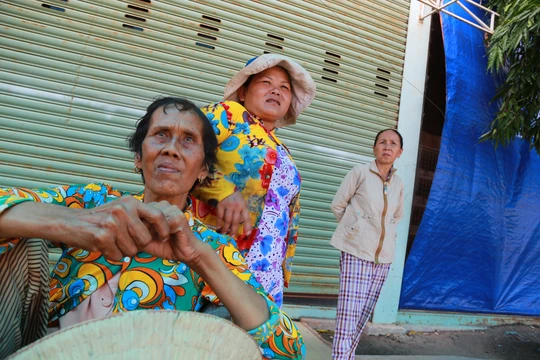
(77, 74)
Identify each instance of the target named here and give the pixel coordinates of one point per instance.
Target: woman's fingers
(220, 214)
(246, 221)
(226, 221)
(126, 242)
(104, 240)
(175, 218)
(173, 214)
(178, 221)
(231, 213)
(139, 232)
(112, 253)
(236, 217)
(185, 246)
(154, 215)
(127, 226)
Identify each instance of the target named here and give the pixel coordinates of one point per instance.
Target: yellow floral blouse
(246, 161)
(147, 282)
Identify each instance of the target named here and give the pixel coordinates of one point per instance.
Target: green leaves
(514, 50)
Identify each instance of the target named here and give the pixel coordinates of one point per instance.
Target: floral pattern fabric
(247, 156)
(267, 252)
(147, 282)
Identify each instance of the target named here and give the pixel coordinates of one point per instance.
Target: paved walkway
(316, 348)
(319, 349)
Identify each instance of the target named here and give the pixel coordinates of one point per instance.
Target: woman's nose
(170, 149)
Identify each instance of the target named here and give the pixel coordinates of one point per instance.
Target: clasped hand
(126, 226)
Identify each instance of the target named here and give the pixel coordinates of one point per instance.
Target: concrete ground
(319, 349)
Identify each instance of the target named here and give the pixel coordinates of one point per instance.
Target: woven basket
(147, 335)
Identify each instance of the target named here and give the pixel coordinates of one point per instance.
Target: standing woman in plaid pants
(367, 206)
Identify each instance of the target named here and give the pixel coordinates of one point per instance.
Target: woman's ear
(137, 161)
(241, 93)
(204, 173)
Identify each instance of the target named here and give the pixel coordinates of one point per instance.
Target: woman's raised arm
(117, 229)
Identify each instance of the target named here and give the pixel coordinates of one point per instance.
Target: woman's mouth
(167, 168)
(273, 101)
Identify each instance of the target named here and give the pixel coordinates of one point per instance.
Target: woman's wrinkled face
(268, 95)
(387, 148)
(172, 156)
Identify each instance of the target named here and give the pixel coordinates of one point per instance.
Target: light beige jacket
(367, 215)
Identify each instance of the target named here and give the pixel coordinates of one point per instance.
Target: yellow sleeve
(224, 117)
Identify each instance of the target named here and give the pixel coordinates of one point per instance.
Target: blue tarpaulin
(478, 245)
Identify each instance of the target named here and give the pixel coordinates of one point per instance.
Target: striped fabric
(24, 284)
(360, 284)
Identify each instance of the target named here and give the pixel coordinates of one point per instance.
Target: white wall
(409, 123)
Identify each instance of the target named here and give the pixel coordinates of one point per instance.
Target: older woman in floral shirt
(127, 252)
(256, 168)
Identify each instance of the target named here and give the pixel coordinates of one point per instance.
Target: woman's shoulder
(228, 106)
(364, 166)
(361, 168)
(233, 105)
(227, 114)
(94, 189)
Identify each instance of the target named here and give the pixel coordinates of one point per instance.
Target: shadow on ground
(507, 342)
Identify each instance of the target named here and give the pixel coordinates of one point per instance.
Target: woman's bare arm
(116, 229)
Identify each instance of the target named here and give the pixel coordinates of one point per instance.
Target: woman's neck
(383, 169)
(267, 124)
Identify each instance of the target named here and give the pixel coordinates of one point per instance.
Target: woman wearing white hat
(256, 167)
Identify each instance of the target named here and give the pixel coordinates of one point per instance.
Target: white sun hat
(303, 86)
(147, 334)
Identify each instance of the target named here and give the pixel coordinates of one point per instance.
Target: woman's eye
(160, 133)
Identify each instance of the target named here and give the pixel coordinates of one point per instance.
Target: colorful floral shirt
(247, 155)
(147, 282)
(268, 250)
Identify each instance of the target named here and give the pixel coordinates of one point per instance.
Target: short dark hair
(135, 140)
(394, 130)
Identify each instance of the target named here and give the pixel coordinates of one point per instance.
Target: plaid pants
(360, 284)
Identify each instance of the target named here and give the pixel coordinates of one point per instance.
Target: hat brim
(303, 86)
(146, 334)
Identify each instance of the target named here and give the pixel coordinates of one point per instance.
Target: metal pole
(474, 17)
(465, 20)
